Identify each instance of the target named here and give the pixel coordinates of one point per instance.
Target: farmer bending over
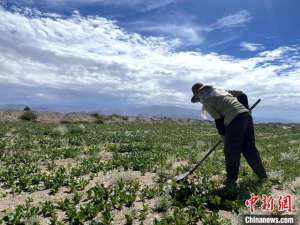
(234, 123)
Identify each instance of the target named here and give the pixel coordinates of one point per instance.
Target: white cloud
(252, 47)
(150, 4)
(238, 19)
(183, 34)
(143, 5)
(93, 54)
(139, 5)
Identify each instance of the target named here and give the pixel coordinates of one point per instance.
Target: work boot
(229, 182)
(261, 180)
(229, 190)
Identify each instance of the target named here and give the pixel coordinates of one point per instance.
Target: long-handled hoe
(185, 175)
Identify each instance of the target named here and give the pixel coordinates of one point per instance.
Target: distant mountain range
(146, 111)
(157, 111)
(12, 107)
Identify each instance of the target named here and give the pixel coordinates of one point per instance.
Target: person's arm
(211, 108)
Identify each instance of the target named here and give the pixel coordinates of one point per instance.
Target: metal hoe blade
(186, 174)
(182, 176)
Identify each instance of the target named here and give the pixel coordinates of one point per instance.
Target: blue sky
(88, 54)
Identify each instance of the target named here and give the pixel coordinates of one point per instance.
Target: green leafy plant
(129, 218)
(29, 115)
(36, 157)
(48, 209)
(23, 214)
(143, 213)
(164, 203)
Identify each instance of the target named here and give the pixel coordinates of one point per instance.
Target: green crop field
(122, 173)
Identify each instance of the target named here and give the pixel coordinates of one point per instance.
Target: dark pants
(240, 138)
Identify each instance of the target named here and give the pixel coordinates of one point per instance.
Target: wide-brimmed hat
(196, 87)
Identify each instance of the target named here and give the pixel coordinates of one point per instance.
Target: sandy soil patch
(10, 201)
(177, 164)
(113, 176)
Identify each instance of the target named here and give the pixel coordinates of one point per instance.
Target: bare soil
(10, 201)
